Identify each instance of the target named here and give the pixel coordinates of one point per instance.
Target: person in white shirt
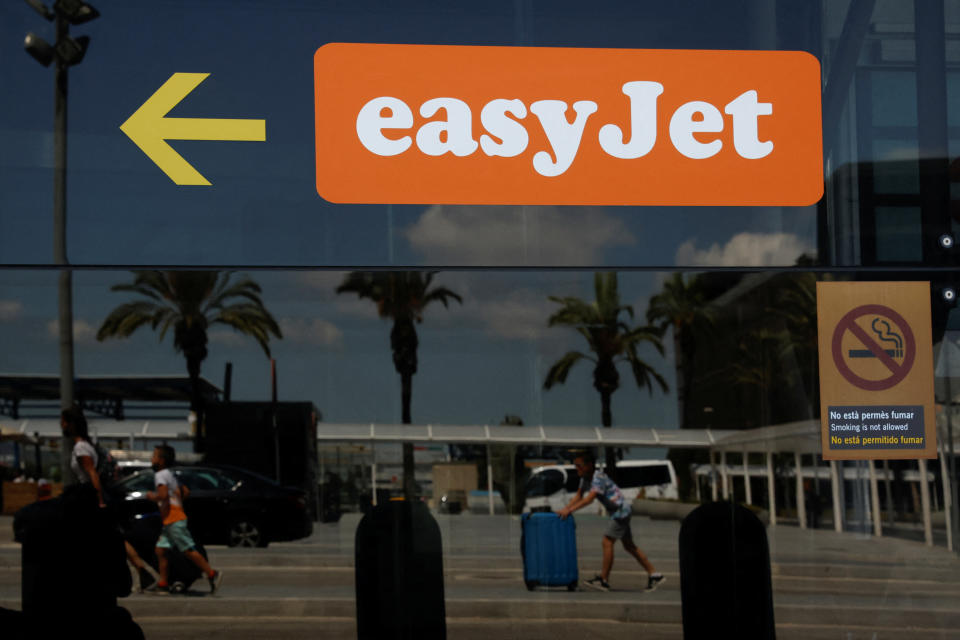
(84, 458)
(175, 533)
(83, 462)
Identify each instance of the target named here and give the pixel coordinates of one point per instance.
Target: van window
(643, 476)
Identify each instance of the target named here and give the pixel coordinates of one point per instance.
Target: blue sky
(477, 362)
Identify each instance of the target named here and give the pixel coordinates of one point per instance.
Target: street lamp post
(66, 52)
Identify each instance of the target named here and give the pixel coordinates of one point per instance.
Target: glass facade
(659, 322)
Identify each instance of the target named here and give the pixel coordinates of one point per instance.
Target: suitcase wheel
(531, 584)
(178, 587)
(572, 586)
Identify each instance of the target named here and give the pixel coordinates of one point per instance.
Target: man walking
(175, 533)
(594, 484)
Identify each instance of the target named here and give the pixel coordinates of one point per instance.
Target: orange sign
(419, 124)
(876, 370)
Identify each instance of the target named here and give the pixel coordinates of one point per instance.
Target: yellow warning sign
(876, 370)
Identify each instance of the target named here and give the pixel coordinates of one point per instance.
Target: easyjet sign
(420, 124)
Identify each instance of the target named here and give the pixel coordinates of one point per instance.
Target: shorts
(176, 535)
(619, 528)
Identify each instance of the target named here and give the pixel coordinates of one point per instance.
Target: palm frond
(141, 289)
(643, 373)
(574, 312)
(561, 368)
(126, 319)
(441, 294)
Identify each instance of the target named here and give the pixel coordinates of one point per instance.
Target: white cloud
(518, 315)
(312, 331)
(83, 331)
(325, 283)
(746, 250)
(470, 235)
(10, 310)
(497, 304)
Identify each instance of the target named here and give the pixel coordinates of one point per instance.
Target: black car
(225, 505)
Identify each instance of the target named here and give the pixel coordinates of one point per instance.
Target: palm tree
(402, 296)
(611, 341)
(758, 365)
(796, 305)
(189, 302)
(682, 306)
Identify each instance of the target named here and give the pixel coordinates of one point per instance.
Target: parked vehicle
(553, 486)
(452, 502)
(226, 505)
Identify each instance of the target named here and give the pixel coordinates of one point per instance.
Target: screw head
(949, 294)
(946, 241)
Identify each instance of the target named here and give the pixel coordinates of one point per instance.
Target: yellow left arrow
(149, 128)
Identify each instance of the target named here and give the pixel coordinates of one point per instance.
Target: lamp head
(42, 9)
(71, 50)
(76, 11)
(39, 48)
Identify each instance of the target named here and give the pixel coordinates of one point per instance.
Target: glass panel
(393, 353)
(723, 355)
(898, 234)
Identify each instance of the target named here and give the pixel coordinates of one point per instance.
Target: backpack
(106, 466)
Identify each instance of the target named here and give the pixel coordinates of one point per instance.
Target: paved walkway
(826, 585)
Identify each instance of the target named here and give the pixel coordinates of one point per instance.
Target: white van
(554, 486)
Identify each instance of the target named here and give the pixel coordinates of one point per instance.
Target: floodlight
(71, 50)
(39, 48)
(76, 11)
(42, 9)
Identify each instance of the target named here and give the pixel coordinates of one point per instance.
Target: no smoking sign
(888, 342)
(876, 370)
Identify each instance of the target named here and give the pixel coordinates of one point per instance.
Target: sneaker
(159, 589)
(147, 581)
(654, 581)
(215, 581)
(597, 583)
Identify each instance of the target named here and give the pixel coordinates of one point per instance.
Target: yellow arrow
(150, 129)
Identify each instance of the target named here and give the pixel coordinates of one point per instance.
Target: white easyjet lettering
(459, 139)
(507, 137)
(371, 122)
(563, 136)
(683, 126)
(745, 110)
(643, 111)
(512, 134)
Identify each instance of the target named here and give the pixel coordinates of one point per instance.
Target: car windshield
(545, 483)
(141, 481)
(200, 479)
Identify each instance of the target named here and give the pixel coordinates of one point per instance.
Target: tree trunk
(403, 342)
(196, 403)
(678, 353)
(610, 453)
(409, 483)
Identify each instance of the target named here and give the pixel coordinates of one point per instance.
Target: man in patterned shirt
(595, 484)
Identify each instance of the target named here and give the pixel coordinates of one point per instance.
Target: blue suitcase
(549, 548)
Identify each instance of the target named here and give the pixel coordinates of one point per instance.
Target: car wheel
(245, 533)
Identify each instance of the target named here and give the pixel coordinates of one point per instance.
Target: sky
(478, 361)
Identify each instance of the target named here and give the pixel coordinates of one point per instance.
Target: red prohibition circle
(897, 371)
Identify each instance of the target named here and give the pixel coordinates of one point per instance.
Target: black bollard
(725, 582)
(399, 574)
(73, 567)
